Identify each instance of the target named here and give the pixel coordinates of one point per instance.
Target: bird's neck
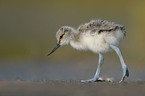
(75, 42)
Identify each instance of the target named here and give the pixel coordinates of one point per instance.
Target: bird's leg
(124, 66)
(96, 76)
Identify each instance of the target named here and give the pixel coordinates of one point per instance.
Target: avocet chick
(99, 36)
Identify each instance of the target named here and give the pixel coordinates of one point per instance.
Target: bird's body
(99, 36)
(95, 37)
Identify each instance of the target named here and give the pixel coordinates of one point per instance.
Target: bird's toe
(93, 80)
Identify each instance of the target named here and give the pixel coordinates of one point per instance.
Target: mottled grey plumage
(100, 26)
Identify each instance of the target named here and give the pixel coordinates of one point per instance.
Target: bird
(98, 36)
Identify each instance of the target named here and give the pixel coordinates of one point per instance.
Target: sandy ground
(70, 88)
(56, 79)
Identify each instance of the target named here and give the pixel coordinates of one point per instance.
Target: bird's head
(63, 36)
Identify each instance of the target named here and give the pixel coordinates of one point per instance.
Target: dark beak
(56, 46)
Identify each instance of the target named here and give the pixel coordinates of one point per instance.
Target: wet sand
(70, 88)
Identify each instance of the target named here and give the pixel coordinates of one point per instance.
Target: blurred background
(27, 35)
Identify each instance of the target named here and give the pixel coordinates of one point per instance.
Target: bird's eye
(61, 36)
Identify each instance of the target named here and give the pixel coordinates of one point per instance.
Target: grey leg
(96, 76)
(124, 66)
(101, 59)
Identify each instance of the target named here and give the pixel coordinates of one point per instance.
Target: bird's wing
(100, 26)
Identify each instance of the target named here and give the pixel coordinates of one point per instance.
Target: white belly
(96, 43)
